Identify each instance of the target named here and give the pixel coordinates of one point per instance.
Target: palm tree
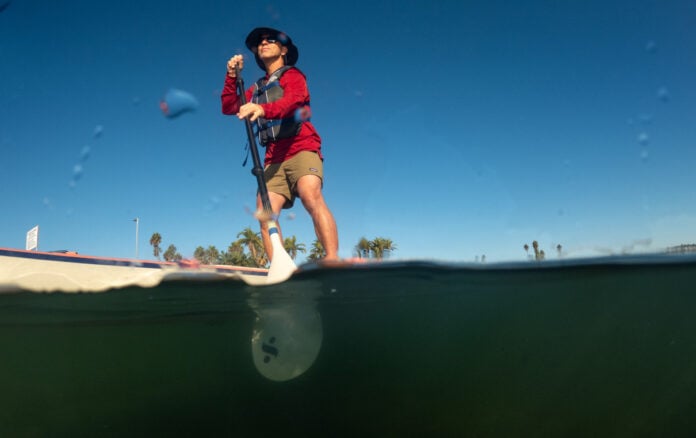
(363, 248)
(212, 255)
(235, 256)
(382, 247)
(171, 255)
(537, 254)
(155, 241)
(252, 240)
(199, 254)
(292, 247)
(317, 252)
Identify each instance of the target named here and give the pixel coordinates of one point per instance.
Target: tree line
(248, 250)
(539, 254)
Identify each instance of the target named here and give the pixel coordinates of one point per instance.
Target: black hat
(252, 44)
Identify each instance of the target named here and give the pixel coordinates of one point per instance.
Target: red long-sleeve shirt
(295, 95)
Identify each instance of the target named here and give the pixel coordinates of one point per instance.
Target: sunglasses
(268, 39)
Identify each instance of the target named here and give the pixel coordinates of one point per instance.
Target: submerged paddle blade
(282, 265)
(286, 340)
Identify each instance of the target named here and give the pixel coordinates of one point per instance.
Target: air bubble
(643, 138)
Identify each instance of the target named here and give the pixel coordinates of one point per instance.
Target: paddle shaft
(282, 265)
(257, 170)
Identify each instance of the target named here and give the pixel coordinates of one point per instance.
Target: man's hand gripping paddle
(282, 265)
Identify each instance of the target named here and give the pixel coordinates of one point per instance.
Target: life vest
(267, 91)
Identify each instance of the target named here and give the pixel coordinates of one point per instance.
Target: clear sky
(455, 128)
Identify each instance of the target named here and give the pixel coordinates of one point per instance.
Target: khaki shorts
(282, 177)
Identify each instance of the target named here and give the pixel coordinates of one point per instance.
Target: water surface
(605, 347)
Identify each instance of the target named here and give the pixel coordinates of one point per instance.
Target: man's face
(268, 46)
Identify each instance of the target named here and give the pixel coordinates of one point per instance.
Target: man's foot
(335, 261)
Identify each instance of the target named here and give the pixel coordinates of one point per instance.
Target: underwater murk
(600, 347)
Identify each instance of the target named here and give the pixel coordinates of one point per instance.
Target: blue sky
(456, 129)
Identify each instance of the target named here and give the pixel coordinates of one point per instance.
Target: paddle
(282, 265)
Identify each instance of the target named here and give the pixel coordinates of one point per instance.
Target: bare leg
(277, 202)
(309, 189)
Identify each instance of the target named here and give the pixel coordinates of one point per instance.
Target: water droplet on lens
(651, 47)
(644, 154)
(645, 119)
(643, 138)
(77, 172)
(291, 216)
(663, 94)
(4, 4)
(86, 152)
(213, 203)
(98, 131)
(177, 102)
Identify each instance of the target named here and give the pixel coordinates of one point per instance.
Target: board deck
(69, 272)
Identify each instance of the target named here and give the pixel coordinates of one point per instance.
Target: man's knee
(313, 202)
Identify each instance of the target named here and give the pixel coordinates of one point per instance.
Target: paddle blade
(282, 265)
(286, 340)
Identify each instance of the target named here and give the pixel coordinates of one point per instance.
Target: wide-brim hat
(252, 44)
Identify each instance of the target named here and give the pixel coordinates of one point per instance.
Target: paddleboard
(39, 271)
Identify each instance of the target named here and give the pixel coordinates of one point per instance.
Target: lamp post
(137, 222)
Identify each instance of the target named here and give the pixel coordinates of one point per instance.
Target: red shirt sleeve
(295, 95)
(229, 97)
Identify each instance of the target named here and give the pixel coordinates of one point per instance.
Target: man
(279, 104)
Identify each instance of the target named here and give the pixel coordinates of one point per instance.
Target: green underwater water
(600, 348)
